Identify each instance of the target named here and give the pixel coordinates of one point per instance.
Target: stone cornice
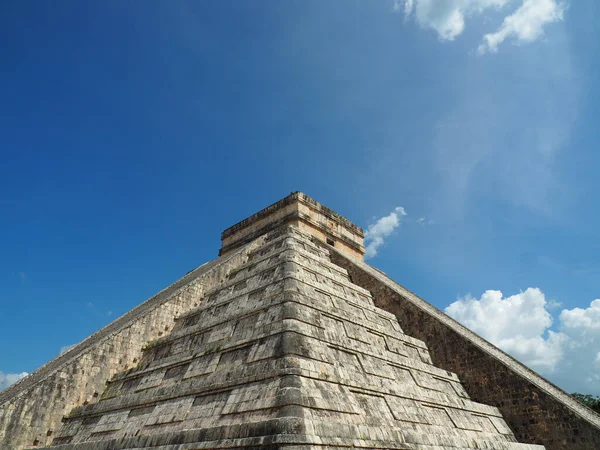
(290, 199)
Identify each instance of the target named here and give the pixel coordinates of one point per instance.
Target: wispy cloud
(423, 221)
(381, 229)
(503, 140)
(23, 277)
(448, 19)
(6, 379)
(526, 24)
(66, 348)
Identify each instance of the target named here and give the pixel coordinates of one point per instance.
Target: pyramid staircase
(286, 353)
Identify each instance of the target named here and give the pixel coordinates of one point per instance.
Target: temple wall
(301, 211)
(324, 221)
(339, 244)
(32, 409)
(537, 411)
(248, 231)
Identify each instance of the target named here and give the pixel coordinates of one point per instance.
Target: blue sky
(132, 136)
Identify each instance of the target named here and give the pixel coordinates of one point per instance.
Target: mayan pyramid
(289, 341)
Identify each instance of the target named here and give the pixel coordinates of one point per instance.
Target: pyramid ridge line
(237, 281)
(483, 435)
(292, 232)
(288, 232)
(96, 408)
(267, 256)
(407, 340)
(220, 346)
(431, 370)
(286, 276)
(417, 343)
(322, 261)
(400, 360)
(198, 329)
(278, 404)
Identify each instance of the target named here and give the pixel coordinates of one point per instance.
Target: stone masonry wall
(537, 411)
(32, 409)
(287, 353)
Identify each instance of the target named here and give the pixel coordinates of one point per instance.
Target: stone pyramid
(281, 349)
(286, 353)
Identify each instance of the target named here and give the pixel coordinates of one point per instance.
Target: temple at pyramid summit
(289, 340)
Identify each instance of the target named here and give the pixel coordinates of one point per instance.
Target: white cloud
(583, 321)
(520, 325)
(582, 363)
(6, 379)
(23, 277)
(517, 324)
(377, 232)
(447, 18)
(526, 24)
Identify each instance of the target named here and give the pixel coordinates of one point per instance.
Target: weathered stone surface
(301, 211)
(287, 352)
(31, 410)
(536, 410)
